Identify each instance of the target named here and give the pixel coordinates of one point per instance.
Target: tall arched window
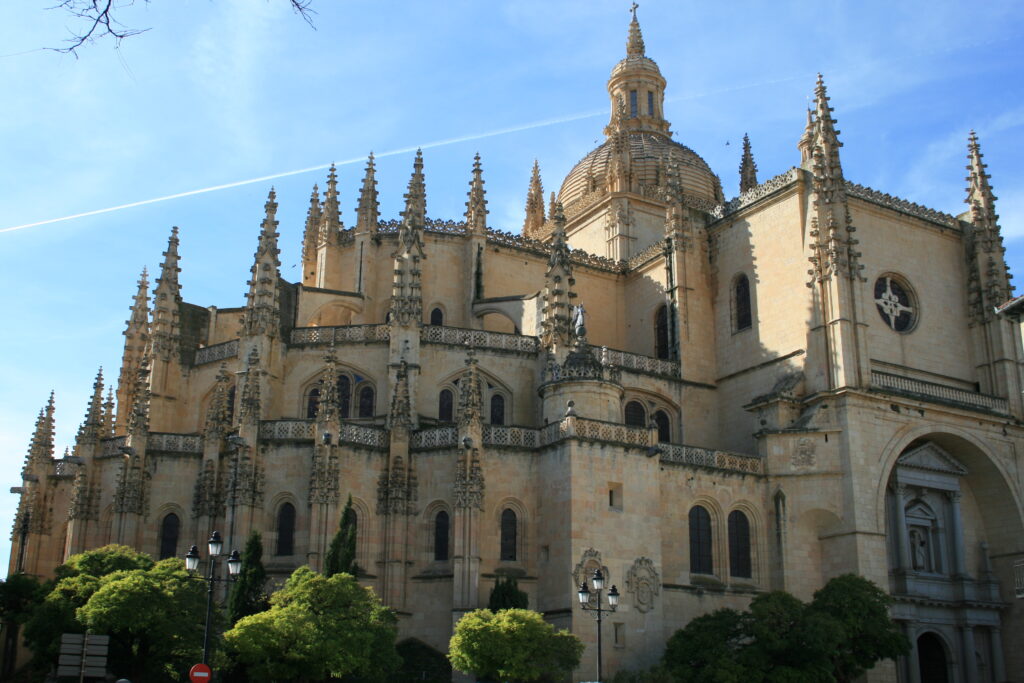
(437, 317)
(509, 531)
(169, 529)
(739, 545)
(700, 541)
(446, 406)
(441, 524)
(497, 409)
(366, 402)
(664, 426)
(741, 302)
(636, 416)
(344, 396)
(312, 402)
(286, 530)
(661, 348)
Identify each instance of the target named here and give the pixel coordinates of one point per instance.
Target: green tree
(248, 595)
(708, 649)
(421, 663)
(154, 618)
(514, 645)
(316, 627)
(785, 642)
(341, 555)
(506, 595)
(869, 635)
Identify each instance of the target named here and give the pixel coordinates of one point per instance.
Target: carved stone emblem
(803, 455)
(643, 583)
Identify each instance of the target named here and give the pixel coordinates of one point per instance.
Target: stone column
(913, 663)
(958, 534)
(970, 661)
(998, 666)
(903, 551)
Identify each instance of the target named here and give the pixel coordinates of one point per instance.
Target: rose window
(895, 304)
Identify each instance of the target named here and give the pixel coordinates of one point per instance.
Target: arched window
(664, 426)
(700, 541)
(441, 536)
(739, 545)
(344, 396)
(312, 403)
(446, 406)
(497, 409)
(366, 402)
(437, 317)
(661, 348)
(636, 416)
(509, 530)
(286, 530)
(741, 302)
(169, 536)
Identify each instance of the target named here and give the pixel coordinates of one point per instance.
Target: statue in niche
(919, 549)
(579, 318)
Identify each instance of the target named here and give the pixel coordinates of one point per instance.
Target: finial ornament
(635, 44)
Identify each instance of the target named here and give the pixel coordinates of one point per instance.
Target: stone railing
(63, 469)
(174, 443)
(653, 251)
(1018, 578)
(634, 362)
(678, 454)
(286, 430)
(479, 339)
(322, 336)
(598, 430)
(932, 391)
(364, 435)
(433, 438)
(216, 352)
(111, 447)
(901, 205)
(501, 436)
(761, 191)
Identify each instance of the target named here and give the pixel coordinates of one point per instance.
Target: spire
(330, 221)
(262, 307)
(476, 207)
(558, 290)
(91, 430)
(138, 418)
(166, 325)
(250, 409)
(552, 201)
(40, 450)
(979, 191)
(748, 169)
(635, 42)
(327, 409)
(108, 414)
(136, 340)
(368, 212)
(218, 414)
(990, 278)
(415, 212)
(470, 394)
(406, 298)
(533, 226)
(824, 134)
(399, 417)
(312, 232)
(804, 145)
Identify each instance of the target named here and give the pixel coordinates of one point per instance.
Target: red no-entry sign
(200, 673)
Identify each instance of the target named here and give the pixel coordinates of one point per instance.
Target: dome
(648, 153)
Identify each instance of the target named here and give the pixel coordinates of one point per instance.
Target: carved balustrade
(110, 448)
(364, 435)
(679, 454)
(480, 339)
(634, 362)
(433, 438)
(345, 334)
(501, 436)
(933, 391)
(174, 443)
(286, 430)
(216, 352)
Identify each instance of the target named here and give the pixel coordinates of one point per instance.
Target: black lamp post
(613, 603)
(215, 545)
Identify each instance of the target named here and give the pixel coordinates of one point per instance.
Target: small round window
(895, 303)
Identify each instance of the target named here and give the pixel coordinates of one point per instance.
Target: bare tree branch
(99, 21)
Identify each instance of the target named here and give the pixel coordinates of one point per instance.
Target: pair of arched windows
(636, 416)
(702, 548)
(350, 391)
(509, 536)
(446, 407)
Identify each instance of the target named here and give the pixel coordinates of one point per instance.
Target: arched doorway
(931, 659)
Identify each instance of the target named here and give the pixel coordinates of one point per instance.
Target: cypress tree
(247, 595)
(341, 555)
(506, 595)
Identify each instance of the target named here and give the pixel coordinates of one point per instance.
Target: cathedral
(705, 398)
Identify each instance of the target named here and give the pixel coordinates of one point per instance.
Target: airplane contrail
(404, 150)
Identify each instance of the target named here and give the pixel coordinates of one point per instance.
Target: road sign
(200, 673)
(83, 656)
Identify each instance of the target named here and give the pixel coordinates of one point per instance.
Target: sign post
(200, 673)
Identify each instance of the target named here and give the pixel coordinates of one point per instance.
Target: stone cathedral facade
(705, 397)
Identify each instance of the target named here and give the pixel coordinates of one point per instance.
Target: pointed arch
(170, 530)
(285, 528)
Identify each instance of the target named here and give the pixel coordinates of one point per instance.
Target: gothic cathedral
(706, 398)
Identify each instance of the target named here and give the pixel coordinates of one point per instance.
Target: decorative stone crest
(643, 583)
(323, 480)
(469, 484)
(803, 454)
(397, 489)
(589, 561)
(208, 496)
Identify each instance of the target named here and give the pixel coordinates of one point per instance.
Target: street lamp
(613, 603)
(214, 545)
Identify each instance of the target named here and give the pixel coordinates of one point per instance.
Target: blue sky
(220, 91)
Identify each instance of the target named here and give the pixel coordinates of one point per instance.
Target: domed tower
(615, 197)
